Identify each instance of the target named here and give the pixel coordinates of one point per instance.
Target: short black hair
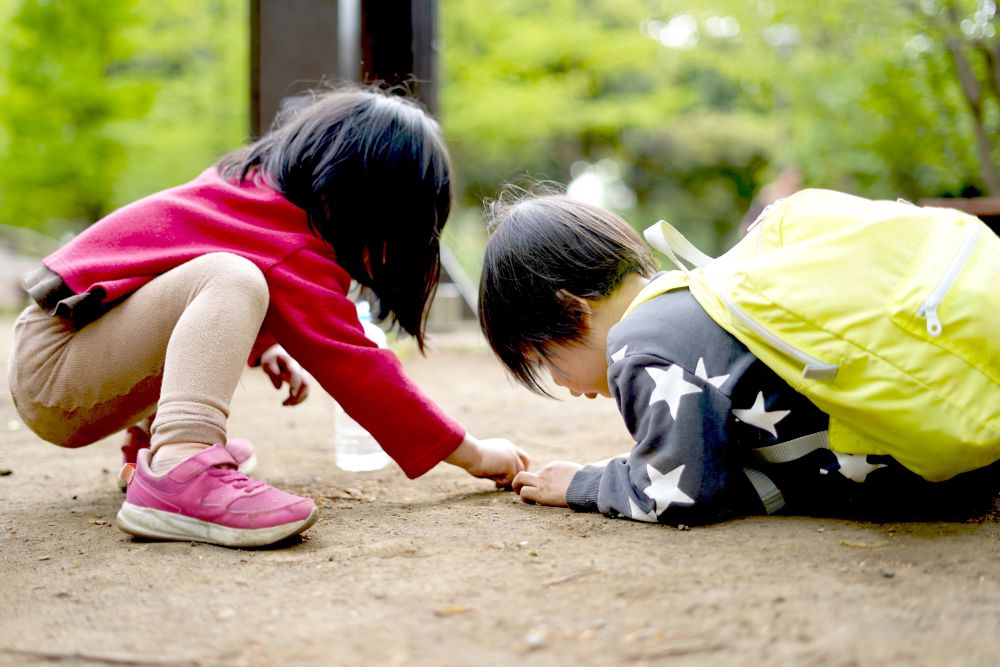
(372, 172)
(543, 250)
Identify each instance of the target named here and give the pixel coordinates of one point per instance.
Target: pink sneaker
(206, 499)
(138, 438)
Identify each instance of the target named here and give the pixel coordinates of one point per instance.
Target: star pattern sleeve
(684, 467)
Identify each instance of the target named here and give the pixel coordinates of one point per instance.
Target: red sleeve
(312, 318)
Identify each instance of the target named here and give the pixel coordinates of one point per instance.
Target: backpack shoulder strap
(685, 256)
(669, 281)
(664, 237)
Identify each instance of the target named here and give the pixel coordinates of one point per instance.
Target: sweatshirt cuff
(582, 492)
(432, 456)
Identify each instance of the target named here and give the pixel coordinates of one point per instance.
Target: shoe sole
(159, 525)
(246, 468)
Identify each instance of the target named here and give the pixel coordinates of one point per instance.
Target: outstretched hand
(282, 369)
(491, 458)
(548, 486)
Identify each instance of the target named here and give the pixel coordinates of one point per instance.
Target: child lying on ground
(558, 279)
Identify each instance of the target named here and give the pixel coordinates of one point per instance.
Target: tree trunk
(973, 91)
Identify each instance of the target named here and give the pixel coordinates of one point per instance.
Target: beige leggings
(176, 347)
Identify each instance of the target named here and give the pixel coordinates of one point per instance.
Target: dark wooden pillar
(293, 47)
(398, 46)
(297, 44)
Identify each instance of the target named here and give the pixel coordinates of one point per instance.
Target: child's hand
(281, 368)
(493, 458)
(547, 486)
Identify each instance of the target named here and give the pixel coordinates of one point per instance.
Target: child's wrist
(466, 454)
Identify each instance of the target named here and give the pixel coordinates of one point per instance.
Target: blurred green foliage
(702, 102)
(687, 107)
(105, 101)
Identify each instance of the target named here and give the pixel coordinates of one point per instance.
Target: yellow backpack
(884, 314)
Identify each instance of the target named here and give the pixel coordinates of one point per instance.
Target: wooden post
(293, 47)
(297, 44)
(398, 46)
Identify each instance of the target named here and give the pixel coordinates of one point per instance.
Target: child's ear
(577, 307)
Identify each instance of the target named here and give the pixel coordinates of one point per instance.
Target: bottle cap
(364, 311)
(373, 331)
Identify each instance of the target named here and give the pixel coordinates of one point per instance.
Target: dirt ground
(446, 571)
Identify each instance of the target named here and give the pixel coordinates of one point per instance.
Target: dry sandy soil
(446, 571)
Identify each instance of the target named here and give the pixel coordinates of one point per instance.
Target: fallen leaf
(451, 610)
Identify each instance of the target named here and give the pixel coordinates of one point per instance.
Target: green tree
(197, 53)
(60, 94)
(866, 96)
(968, 33)
(703, 101)
(105, 101)
(534, 88)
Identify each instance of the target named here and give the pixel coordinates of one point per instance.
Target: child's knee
(57, 429)
(240, 276)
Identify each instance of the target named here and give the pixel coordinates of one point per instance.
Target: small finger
(296, 397)
(523, 457)
(273, 373)
(522, 479)
(502, 481)
(530, 494)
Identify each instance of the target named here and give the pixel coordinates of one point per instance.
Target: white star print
(636, 512)
(619, 355)
(856, 466)
(757, 416)
(670, 387)
(664, 489)
(700, 372)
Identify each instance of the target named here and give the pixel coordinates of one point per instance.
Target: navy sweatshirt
(717, 432)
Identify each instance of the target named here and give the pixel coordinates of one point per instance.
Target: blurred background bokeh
(675, 109)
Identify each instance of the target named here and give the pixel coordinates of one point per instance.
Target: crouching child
(712, 424)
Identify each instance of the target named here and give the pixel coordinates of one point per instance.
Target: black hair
(543, 251)
(373, 174)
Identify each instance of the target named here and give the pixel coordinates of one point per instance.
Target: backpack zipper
(813, 367)
(928, 309)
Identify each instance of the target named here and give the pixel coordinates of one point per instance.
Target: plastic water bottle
(354, 448)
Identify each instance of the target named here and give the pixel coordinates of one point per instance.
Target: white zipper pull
(928, 309)
(929, 312)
